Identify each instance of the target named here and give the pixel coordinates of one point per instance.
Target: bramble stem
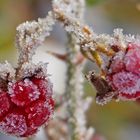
(74, 93)
(70, 88)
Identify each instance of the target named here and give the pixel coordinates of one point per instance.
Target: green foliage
(93, 2)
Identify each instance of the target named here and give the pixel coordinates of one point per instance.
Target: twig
(70, 89)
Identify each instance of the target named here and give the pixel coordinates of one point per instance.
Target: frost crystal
(23, 92)
(126, 82)
(7, 71)
(132, 58)
(31, 34)
(4, 104)
(30, 98)
(14, 124)
(38, 113)
(70, 7)
(123, 73)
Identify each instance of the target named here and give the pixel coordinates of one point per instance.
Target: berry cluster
(25, 105)
(124, 73)
(121, 79)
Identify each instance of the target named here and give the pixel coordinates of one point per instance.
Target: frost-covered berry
(4, 104)
(23, 92)
(25, 106)
(117, 63)
(121, 78)
(38, 113)
(124, 73)
(14, 123)
(127, 84)
(41, 83)
(132, 59)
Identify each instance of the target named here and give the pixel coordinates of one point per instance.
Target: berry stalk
(30, 35)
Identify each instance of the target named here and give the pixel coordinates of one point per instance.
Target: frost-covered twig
(90, 43)
(76, 105)
(30, 35)
(74, 82)
(71, 7)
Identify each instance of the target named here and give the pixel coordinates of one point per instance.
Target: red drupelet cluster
(25, 105)
(124, 73)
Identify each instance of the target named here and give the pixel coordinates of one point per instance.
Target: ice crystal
(26, 99)
(4, 104)
(30, 98)
(123, 73)
(31, 34)
(14, 124)
(23, 92)
(132, 58)
(70, 7)
(7, 71)
(37, 113)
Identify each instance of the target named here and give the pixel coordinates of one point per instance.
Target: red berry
(132, 59)
(41, 83)
(4, 104)
(38, 113)
(23, 92)
(26, 106)
(14, 124)
(127, 84)
(30, 131)
(133, 46)
(117, 63)
(50, 101)
(123, 74)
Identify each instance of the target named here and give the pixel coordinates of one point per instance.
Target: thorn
(79, 59)
(62, 57)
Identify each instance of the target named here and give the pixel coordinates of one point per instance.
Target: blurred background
(114, 121)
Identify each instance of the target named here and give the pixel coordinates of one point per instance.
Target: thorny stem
(70, 87)
(91, 45)
(74, 94)
(30, 35)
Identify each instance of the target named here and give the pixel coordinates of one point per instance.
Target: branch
(30, 35)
